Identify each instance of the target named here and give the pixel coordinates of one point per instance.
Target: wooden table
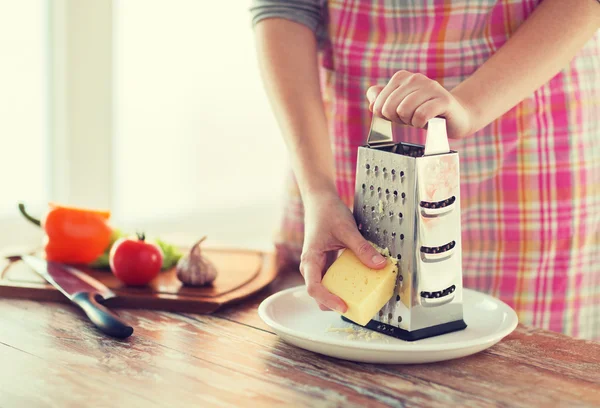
(50, 356)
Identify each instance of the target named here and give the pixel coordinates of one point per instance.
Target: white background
(186, 142)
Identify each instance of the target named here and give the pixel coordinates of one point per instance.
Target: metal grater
(408, 201)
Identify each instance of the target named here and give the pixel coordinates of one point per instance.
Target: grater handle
(437, 138)
(380, 134)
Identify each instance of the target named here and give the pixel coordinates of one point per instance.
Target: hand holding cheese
(329, 227)
(364, 290)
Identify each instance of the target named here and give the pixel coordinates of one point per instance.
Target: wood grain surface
(52, 357)
(240, 274)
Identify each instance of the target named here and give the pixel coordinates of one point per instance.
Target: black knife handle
(101, 316)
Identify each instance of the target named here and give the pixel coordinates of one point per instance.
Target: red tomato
(135, 262)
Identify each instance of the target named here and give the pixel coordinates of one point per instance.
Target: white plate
(296, 318)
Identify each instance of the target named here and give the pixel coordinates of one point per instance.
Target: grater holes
(394, 234)
(403, 195)
(376, 169)
(401, 278)
(399, 257)
(400, 215)
(373, 209)
(387, 191)
(395, 193)
(391, 214)
(440, 249)
(384, 232)
(402, 173)
(376, 230)
(367, 166)
(364, 186)
(379, 190)
(393, 172)
(371, 188)
(438, 204)
(401, 236)
(439, 293)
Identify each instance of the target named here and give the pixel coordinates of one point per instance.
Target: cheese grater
(408, 200)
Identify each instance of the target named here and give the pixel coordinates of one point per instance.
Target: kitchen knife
(83, 290)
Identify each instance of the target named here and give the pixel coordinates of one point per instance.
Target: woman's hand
(413, 99)
(329, 227)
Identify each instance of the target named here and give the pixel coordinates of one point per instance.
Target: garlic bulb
(194, 270)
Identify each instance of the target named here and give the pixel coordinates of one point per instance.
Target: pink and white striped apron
(530, 181)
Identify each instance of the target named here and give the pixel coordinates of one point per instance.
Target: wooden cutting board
(241, 273)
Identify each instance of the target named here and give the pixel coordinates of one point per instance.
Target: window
(162, 117)
(24, 165)
(195, 140)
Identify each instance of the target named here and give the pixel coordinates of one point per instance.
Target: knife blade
(84, 291)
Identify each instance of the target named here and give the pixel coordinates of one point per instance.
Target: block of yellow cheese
(364, 290)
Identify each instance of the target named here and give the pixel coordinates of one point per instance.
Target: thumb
(364, 250)
(372, 94)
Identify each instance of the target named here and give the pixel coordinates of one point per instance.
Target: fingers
(397, 80)
(390, 106)
(428, 110)
(372, 94)
(410, 99)
(312, 266)
(362, 248)
(329, 260)
(408, 106)
(413, 86)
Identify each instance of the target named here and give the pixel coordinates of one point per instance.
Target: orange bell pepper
(73, 235)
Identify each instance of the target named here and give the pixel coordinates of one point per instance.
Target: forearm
(542, 46)
(287, 55)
